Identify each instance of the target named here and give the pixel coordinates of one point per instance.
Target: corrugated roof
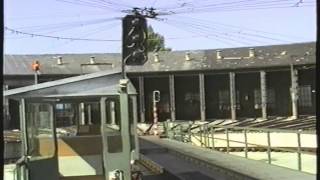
(266, 56)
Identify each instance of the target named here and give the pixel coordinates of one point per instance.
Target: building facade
(237, 83)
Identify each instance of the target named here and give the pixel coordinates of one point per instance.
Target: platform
(181, 159)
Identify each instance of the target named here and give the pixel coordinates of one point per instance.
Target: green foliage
(155, 41)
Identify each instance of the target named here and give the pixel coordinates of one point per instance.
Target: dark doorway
(307, 92)
(278, 97)
(217, 96)
(187, 98)
(14, 114)
(247, 95)
(161, 84)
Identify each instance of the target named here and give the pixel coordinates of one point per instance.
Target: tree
(155, 41)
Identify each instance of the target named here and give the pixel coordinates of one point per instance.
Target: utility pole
(134, 52)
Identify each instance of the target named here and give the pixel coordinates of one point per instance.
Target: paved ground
(285, 159)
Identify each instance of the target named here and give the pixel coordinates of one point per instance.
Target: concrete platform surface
(251, 168)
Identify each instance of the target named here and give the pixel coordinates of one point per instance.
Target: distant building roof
(71, 63)
(233, 58)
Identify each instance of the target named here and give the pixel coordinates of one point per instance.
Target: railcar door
(115, 137)
(39, 141)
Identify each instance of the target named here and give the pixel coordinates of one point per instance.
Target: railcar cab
(78, 128)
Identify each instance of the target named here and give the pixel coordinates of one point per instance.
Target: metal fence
(205, 136)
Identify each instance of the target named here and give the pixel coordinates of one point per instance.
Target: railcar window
(65, 114)
(40, 137)
(113, 112)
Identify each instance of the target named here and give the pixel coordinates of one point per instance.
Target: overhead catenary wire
(95, 31)
(244, 3)
(238, 34)
(237, 28)
(92, 4)
(108, 25)
(37, 28)
(200, 34)
(115, 3)
(60, 15)
(237, 3)
(201, 29)
(209, 33)
(30, 35)
(210, 30)
(57, 37)
(238, 7)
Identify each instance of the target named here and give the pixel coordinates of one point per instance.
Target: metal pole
(232, 95)
(141, 98)
(89, 114)
(299, 151)
(246, 144)
(113, 112)
(155, 118)
(269, 147)
(201, 131)
(202, 97)
(189, 131)
(123, 64)
(294, 92)
(82, 115)
(172, 97)
(228, 146)
(35, 77)
(212, 137)
(263, 94)
(206, 136)
(181, 133)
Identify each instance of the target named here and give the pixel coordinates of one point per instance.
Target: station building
(236, 83)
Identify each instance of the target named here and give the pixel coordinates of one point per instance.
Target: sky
(197, 24)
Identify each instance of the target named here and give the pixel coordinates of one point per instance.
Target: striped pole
(156, 98)
(155, 118)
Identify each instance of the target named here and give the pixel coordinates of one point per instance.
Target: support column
(89, 114)
(81, 114)
(263, 86)
(202, 97)
(294, 92)
(172, 97)
(113, 112)
(232, 95)
(141, 98)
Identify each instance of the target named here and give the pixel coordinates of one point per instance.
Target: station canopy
(103, 83)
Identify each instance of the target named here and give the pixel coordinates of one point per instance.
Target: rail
(204, 135)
